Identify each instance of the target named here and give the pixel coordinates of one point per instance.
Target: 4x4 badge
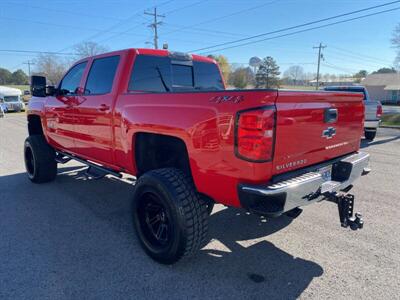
(329, 133)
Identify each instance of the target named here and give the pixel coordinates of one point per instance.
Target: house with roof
(383, 87)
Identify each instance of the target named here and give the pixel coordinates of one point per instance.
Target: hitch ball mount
(345, 203)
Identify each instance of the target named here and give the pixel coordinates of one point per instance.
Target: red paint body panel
(79, 126)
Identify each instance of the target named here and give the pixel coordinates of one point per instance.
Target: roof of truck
(156, 52)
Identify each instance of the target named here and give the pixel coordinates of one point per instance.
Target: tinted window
(72, 80)
(182, 75)
(101, 75)
(150, 73)
(207, 76)
(157, 74)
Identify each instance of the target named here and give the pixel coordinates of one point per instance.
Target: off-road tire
(185, 213)
(40, 162)
(370, 135)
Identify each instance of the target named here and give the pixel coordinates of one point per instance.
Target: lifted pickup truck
(166, 118)
(373, 109)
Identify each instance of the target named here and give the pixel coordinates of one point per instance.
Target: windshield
(11, 98)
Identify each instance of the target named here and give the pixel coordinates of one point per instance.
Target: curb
(390, 126)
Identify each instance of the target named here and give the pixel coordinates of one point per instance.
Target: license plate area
(326, 173)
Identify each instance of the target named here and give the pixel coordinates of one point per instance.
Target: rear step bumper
(278, 198)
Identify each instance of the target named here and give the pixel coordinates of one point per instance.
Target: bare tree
(294, 73)
(396, 45)
(88, 48)
(51, 66)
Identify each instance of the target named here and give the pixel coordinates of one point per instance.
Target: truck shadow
(365, 143)
(98, 245)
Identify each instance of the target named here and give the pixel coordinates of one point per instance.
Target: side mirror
(50, 90)
(26, 93)
(38, 86)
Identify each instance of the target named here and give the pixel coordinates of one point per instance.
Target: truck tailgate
(307, 132)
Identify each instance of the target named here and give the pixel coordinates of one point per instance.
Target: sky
(189, 25)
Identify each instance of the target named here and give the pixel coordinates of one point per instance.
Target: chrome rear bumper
(310, 187)
(371, 125)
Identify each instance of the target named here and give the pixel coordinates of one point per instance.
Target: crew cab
(166, 118)
(373, 109)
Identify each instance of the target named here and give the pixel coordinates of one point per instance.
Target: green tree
(384, 71)
(223, 64)
(5, 76)
(267, 74)
(241, 77)
(360, 75)
(19, 77)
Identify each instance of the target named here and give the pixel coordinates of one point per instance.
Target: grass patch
(391, 119)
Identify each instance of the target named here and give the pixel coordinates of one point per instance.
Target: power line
(362, 56)
(29, 63)
(155, 24)
(303, 30)
(184, 7)
(223, 17)
(296, 26)
(36, 52)
(109, 29)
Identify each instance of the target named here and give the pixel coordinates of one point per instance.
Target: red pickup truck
(166, 118)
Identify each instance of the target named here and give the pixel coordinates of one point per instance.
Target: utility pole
(155, 24)
(320, 47)
(29, 63)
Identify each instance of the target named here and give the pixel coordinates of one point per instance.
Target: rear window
(160, 74)
(101, 75)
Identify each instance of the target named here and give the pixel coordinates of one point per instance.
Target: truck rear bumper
(371, 124)
(309, 187)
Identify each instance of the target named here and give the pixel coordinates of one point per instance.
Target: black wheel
(40, 162)
(370, 135)
(169, 217)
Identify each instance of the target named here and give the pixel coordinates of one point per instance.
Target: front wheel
(40, 162)
(370, 135)
(170, 219)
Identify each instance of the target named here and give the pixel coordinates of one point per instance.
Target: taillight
(255, 134)
(379, 111)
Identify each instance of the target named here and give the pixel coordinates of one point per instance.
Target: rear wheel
(40, 162)
(169, 217)
(370, 135)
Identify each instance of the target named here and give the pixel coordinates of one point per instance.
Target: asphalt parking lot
(73, 239)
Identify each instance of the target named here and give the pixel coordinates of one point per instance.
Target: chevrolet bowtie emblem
(329, 133)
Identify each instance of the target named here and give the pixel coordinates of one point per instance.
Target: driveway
(73, 239)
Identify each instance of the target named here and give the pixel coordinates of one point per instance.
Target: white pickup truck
(373, 109)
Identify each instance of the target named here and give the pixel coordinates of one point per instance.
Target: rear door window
(71, 81)
(151, 74)
(101, 76)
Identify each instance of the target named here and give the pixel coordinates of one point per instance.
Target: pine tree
(267, 74)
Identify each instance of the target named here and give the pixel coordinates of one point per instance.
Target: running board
(95, 171)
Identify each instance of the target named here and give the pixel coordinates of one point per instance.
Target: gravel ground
(73, 239)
